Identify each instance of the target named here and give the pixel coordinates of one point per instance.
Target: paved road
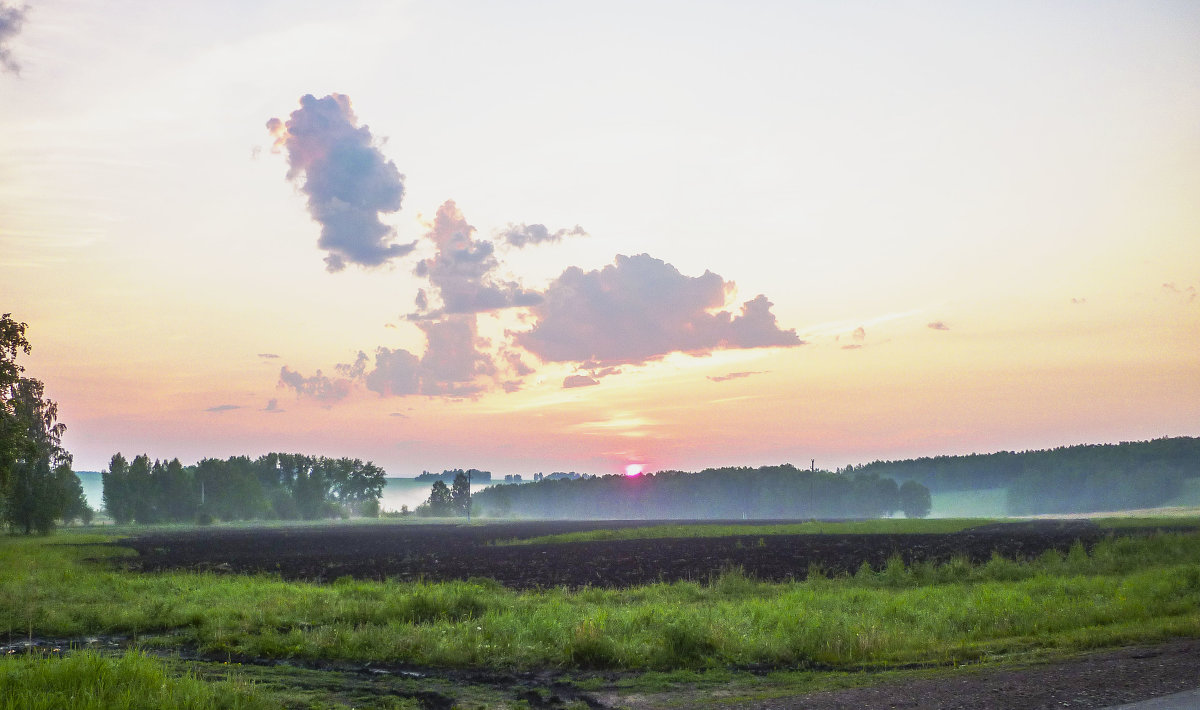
(1188, 700)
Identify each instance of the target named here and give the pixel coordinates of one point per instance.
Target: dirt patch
(446, 552)
(1096, 681)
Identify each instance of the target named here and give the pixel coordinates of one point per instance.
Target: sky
(534, 236)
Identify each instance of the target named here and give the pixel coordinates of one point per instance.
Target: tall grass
(893, 526)
(89, 681)
(1124, 590)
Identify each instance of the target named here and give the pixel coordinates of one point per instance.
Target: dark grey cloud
(572, 381)
(735, 375)
(223, 408)
(640, 309)
(348, 180)
(272, 407)
(523, 235)
(461, 271)
(937, 325)
(11, 21)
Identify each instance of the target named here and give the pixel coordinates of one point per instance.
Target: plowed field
(444, 552)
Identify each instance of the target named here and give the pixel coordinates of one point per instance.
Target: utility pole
(468, 495)
(814, 466)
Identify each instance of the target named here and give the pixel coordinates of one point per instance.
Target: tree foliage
(719, 493)
(37, 485)
(1069, 479)
(273, 486)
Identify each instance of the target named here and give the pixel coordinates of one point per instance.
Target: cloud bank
(11, 20)
(636, 310)
(348, 180)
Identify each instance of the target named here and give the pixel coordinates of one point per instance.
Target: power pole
(468, 495)
(814, 466)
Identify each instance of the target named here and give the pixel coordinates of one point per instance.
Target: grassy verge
(1127, 590)
(90, 681)
(1161, 521)
(898, 526)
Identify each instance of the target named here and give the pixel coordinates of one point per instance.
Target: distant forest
(279, 486)
(1069, 479)
(718, 493)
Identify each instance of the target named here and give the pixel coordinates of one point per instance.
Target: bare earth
(1097, 681)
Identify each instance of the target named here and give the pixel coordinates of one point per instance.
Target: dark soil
(445, 552)
(1098, 681)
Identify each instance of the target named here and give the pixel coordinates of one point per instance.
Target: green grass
(90, 681)
(1160, 521)
(815, 527)
(1127, 590)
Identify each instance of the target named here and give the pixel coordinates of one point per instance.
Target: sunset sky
(536, 236)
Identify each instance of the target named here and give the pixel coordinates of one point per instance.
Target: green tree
(915, 500)
(33, 498)
(439, 499)
(117, 494)
(460, 495)
(12, 342)
(70, 492)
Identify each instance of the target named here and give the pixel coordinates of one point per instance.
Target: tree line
(715, 493)
(37, 484)
(1068, 479)
(273, 486)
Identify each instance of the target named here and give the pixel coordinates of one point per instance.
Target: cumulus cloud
(937, 325)
(461, 271)
(319, 386)
(11, 20)
(522, 235)
(640, 309)
(573, 381)
(453, 364)
(735, 375)
(348, 180)
(223, 408)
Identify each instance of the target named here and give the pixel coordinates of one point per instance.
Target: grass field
(1126, 590)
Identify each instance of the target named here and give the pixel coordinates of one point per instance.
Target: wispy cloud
(223, 408)
(1185, 295)
(735, 375)
(522, 235)
(937, 325)
(268, 356)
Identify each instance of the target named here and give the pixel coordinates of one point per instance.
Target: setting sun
(633, 469)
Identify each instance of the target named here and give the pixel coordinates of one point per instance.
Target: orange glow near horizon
(634, 469)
